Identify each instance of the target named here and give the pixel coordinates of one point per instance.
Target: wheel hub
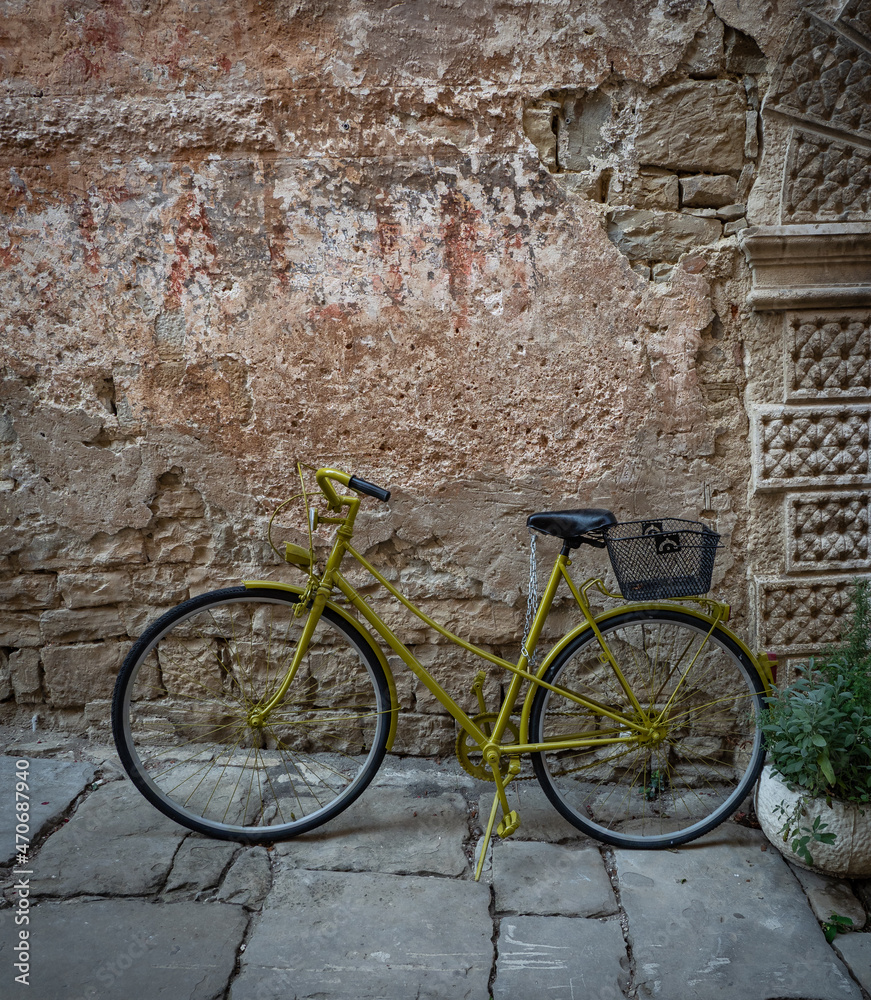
(653, 735)
(256, 719)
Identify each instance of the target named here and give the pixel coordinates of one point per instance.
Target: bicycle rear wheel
(692, 768)
(184, 723)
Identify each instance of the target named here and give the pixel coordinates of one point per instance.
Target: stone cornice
(827, 265)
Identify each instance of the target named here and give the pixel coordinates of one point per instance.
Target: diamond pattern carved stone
(828, 532)
(802, 617)
(826, 80)
(820, 447)
(857, 15)
(826, 180)
(828, 354)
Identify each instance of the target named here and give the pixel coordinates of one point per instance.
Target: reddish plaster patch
(459, 230)
(276, 238)
(176, 51)
(8, 257)
(333, 312)
(389, 231)
(195, 250)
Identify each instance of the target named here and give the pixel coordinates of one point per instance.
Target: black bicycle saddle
(573, 526)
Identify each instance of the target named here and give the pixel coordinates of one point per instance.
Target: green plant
(799, 834)
(852, 659)
(819, 738)
(835, 925)
(818, 729)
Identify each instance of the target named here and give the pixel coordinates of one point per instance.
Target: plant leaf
(826, 767)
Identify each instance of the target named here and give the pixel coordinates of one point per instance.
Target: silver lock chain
(531, 601)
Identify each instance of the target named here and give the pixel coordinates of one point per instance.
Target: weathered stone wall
(486, 255)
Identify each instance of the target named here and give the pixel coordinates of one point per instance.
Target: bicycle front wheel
(186, 725)
(699, 753)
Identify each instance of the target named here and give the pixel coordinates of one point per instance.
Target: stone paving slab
(538, 818)
(392, 830)
(355, 936)
(720, 919)
(116, 844)
(855, 949)
(561, 958)
(533, 878)
(53, 785)
(830, 895)
(249, 878)
(200, 864)
(106, 949)
(422, 776)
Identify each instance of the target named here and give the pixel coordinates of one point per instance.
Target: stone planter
(848, 857)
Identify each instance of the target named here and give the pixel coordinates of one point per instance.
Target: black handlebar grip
(370, 489)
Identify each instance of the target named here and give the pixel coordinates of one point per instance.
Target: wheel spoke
(695, 752)
(188, 723)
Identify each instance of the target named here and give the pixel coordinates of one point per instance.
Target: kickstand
(488, 833)
(510, 819)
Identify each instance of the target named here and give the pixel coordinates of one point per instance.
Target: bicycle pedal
(510, 822)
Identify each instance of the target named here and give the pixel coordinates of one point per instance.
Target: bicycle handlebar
(370, 489)
(324, 476)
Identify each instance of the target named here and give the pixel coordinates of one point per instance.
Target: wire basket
(662, 558)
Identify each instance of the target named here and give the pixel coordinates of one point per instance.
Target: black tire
(703, 758)
(180, 716)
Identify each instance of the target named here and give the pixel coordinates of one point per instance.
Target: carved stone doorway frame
(810, 394)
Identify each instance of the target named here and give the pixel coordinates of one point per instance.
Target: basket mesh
(662, 558)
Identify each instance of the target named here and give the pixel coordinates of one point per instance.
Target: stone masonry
(498, 258)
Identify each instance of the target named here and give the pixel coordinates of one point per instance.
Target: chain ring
(467, 747)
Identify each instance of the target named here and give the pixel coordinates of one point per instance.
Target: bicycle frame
(319, 591)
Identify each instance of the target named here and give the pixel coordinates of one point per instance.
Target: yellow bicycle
(258, 712)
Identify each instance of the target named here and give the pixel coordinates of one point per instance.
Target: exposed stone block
(708, 190)
(580, 130)
(704, 55)
(173, 541)
(159, 584)
(694, 126)
(424, 735)
(6, 689)
(85, 590)
(248, 880)
(538, 126)
(80, 625)
(182, 501)
(751, 138)
(36, 590)
(137, 617)
(24, 675)
(642, 234)
(734, 227)
(649, 190)
(58, 551)
(19, 629)
(75, 675)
